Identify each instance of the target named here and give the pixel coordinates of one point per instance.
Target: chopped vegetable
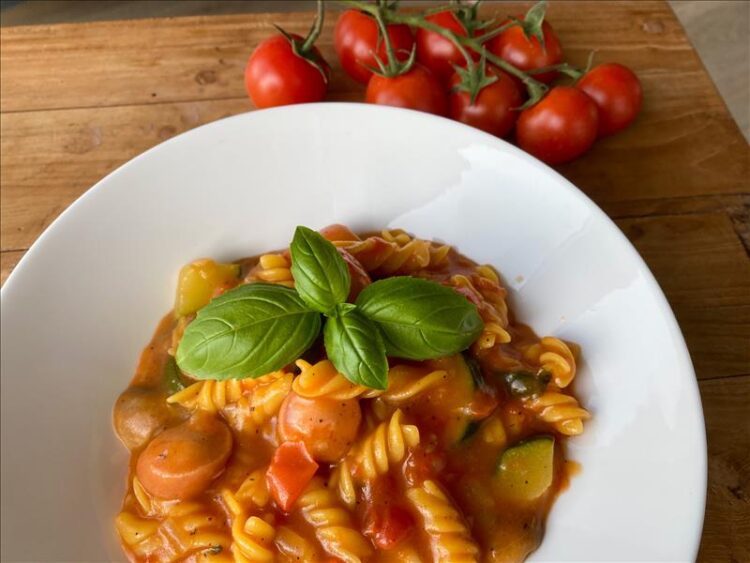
(172, 377)
(387, 525)
(199, 280)
(525, 471)
(523, 384)
(290, 472)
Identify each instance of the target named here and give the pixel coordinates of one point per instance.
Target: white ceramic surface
(86, 298)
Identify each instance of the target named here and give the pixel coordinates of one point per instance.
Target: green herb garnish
(321, 276)
(258, 328)
(249, 331)
(420, 319)
(523, 384)
(356, 348)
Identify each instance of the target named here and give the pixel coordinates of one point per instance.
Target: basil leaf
(356, 348)
(248, 331)
(321, 276)
(420, 319)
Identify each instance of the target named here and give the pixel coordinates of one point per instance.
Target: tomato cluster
(498, 77)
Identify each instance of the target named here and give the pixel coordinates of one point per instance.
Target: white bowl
(85, 299)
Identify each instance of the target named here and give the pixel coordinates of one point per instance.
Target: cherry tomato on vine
(559, 128)
(525, 52)
(438, 53)
(357, 39)
(276, 76)
(493, 109)
(617, 93)
(415, 89)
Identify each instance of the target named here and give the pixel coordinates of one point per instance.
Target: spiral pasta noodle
(395, 253)
(449, 535)
(332, 523)
(384, 446)
(254, 489)
(341, 480)
(323, 380)
(246, 409)
(213, 396)
(272, 268)
(137, 533)
(556, 357)
(194, 529)
(560, 410)
(293, 545)
(252, 539)
(489, 298)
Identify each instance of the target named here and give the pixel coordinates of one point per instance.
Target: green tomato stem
(392, 63)
(535, 88)
(316, 28)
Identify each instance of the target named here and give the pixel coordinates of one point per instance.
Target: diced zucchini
(525, 471)
(199, 281)
(464, 379)
(172, 378)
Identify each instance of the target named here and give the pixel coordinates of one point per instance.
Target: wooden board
(726, 528)
(79, 100)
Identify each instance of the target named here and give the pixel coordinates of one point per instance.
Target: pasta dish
(351, 398)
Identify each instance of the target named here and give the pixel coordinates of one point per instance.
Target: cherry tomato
(617, 93)
(438, 53)
(183, 460)
(276, 76)
(526, 53)
(493, 109)
(327, 427)
(561, 127)
(357, 39)
(416, 89)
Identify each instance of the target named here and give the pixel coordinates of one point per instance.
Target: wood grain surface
(79, 100)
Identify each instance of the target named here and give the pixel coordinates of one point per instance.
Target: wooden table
(78, 100)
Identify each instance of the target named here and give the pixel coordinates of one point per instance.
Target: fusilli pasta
(293, 545)
(485, 292)
(560, 410)
(341, 480)
(395, 253)
(556, 357)
(449, 535)
(272, 268)
(323, 380)
(332, 523)
(252, 539)
(384, 446)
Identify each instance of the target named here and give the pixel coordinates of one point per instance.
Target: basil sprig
(257, 328)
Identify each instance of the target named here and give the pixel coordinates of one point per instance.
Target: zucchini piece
(465, 378)
(526, 470)
(172, 377)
